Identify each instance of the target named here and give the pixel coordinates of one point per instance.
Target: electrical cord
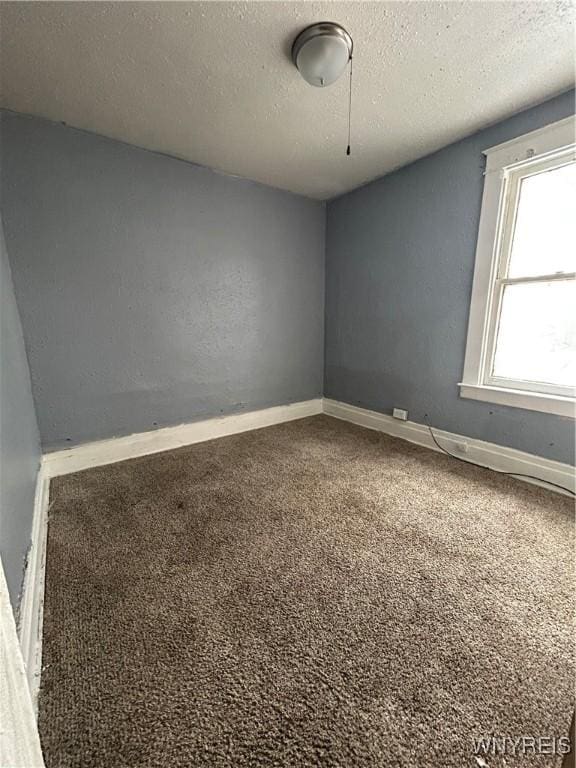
(499, 471)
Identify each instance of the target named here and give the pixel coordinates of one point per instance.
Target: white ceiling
(212, 82)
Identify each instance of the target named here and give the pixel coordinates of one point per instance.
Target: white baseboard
(143, 443)
(491, 455)
(19, 740)
(32, 602)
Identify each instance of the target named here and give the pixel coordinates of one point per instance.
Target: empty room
(287, 384)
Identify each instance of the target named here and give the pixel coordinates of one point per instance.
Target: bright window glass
(543, 241)
(537, 333)
(535, 329)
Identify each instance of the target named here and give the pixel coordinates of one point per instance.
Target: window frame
(506, 165)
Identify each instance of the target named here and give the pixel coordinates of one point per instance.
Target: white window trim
(550, 140)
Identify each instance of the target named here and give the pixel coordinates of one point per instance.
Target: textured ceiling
(213, 83)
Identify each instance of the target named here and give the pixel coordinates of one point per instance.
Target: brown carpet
(312, 594)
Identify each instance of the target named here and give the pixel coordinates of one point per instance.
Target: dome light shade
(321, 53)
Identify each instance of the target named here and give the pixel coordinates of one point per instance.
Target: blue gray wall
(152, 291)
(19, 439)
(399, 266)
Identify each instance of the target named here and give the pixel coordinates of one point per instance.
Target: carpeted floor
(312, 594)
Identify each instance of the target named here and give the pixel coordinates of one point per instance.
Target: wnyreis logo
(498, 746)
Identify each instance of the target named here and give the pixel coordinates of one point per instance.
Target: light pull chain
(349, 109)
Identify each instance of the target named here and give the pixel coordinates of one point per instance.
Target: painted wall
(399, 266)
(152, 291)
(19, 439)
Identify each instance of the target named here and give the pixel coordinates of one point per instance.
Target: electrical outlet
(400, 413)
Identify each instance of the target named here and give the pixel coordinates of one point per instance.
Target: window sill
(516, 398)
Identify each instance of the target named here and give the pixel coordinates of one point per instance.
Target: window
(521, 348)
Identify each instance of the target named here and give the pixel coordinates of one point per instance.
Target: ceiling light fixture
(321, 53)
